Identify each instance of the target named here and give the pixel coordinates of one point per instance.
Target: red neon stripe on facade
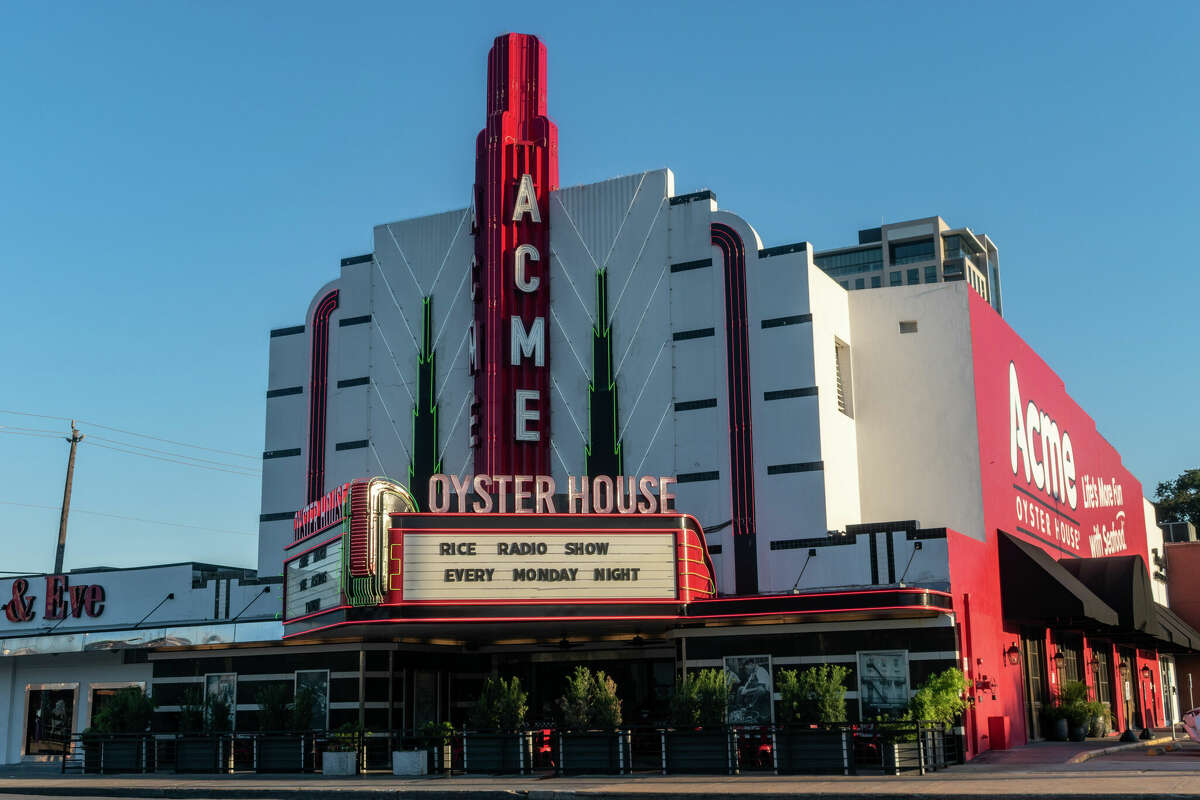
(643, 618)
(741, 448)
(611, 601)
(318, 387)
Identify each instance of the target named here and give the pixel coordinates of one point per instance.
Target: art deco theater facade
(618, 428)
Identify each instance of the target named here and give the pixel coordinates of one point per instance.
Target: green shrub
(128, 710)
(816, 694)
(346, 738)
(700, 700)
(501, 706)
(303, 707)
(436, 733)
(220, 715)
(590, 701)
(940, 698)
(274, 707)
(191, 712)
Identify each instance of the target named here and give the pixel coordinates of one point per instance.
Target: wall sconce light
(1014, 654)
(1059, 657)
(1147, 674)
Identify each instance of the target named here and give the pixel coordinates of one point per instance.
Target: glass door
(1035, 681)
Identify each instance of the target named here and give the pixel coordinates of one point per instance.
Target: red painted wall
(1077, 522)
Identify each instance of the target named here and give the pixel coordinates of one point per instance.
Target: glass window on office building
(911, 252)
(894, 279)
(914, 276)
(875, 281)
(860, 283)
(931, 274)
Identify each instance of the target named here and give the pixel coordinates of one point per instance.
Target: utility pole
(76, 438)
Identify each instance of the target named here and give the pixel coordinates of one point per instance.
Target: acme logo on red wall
(1047, 474)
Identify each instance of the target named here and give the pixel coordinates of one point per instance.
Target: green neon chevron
(603, 450)
(425, 461)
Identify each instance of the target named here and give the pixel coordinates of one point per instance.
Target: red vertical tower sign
(516, 168)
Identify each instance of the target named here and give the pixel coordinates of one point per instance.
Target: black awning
(1124, 583)
(1174, 629)
(1036, 587)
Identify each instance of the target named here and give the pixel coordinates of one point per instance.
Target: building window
(860, 283)
(931, 274)
(894, 279)
(908, 326)
(914, 276)
(875, 281)
(911, 252)
(853, 263)
(845, 382)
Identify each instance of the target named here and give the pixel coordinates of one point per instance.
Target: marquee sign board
(506, 565)
(515, 565)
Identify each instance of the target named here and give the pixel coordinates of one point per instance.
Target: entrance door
(1104, 678)
(1035, 682)
(1129, 701)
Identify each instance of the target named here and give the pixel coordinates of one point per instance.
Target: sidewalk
(1037, 771)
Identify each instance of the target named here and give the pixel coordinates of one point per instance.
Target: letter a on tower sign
(526, 201)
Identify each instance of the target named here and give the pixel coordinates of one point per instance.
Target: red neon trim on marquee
(642, 618)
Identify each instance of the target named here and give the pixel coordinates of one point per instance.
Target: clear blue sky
(178, 178)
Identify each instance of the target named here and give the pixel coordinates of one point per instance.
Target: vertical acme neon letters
(516, 170)
(1054, 470)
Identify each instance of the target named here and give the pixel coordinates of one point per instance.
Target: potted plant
(116, 742)
(435, 742)
(812, 707)
(1072, 697)
(497, 741)
(936, 705)
(1100, 719)
(280, 747)
(916, 739)
(201, 723)
(589, 741)
(1056, 722)
(698, 740)
(341, 751)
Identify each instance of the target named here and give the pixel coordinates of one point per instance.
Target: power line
(168, 453)
(177, 461)
(29, 433)
(135, 433)
(131, 519)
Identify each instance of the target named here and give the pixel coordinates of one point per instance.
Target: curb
(1088, 755)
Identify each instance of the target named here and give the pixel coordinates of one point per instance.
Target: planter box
(279, 754)
(410, 762)
(901, 756)
(593, 753)
(198, 754)
(510, 753)
(811, 751)
(439, 758)
(339, 763)
(701, 751)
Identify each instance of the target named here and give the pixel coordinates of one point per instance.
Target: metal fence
(850, 749)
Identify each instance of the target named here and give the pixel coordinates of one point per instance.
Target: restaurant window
(49, 717)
